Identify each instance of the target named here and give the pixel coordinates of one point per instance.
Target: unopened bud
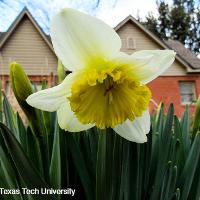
(60, 71)
(22, 89)
(20, 83)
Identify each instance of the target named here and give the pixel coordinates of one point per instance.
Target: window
(8, 88)
(37, 85)
(124, 45)
(187, 91)
(131, 43)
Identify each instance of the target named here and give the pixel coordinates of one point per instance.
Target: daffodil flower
(106, 87)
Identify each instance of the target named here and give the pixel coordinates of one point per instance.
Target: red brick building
(26, 43)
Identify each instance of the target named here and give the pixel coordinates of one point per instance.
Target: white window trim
(134, 43)
(194, 92)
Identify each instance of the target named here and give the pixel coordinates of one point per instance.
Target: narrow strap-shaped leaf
(93, 143)
(21, 132)
(33, 150)
(165, 181)
(195, 188)
(1, 102)
(23, 165)
(110, 165)
(124, 186)
(166, 135)
(10, 117)
(172, 185)
(55, 166)
(190, 167)
(9, 180)
(147, 164)
(81, 166)
(165, 138)
(117, 167)
(133, 171)
(185, 125)
(101, 167)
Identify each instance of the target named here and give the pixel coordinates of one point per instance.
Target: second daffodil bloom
(106, 87)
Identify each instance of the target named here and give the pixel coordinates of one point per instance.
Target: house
(26, 43)
(179, 84)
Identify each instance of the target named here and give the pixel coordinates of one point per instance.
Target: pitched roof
(140, 26)
(4, 36)
(184, 53)
(191, 67)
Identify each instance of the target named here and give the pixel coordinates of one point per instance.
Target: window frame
(35, 83)
(8, 88)
(193, 93)
(128, 43)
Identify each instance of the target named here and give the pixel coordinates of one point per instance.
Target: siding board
(27, 47)
(144, 42)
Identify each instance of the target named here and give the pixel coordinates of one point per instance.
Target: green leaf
(24, 167)
(165, 138)
(55, 166)
(21, 132)
(185, 125)
(101, 166)
(10, 117)
(33, 150)
(1, 102)
(190, 168)
(195, 188)
(61, 72)
(117, 167)
(8, 173)
(81, 166)
(125, 173)
(196, 124)
(110, 165)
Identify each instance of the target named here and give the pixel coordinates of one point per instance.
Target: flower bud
(60, 71)
(22, 89)
(20, 83)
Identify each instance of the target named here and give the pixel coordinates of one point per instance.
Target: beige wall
(143, 42)
(27, 47)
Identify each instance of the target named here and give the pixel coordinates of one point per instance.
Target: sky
(110, 11)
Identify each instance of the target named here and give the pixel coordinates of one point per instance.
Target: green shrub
(99, 164)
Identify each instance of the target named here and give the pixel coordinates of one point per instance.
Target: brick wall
(10, 95)
(166, 89)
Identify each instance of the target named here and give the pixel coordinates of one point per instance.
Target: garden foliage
(99, 164)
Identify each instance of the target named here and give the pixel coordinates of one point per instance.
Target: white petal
(51, 99)
(79, 38)
(68, 121)
(136, 130)
(148, 64)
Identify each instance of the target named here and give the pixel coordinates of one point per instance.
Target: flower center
(108, 97)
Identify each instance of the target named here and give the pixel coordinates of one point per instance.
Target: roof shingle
(184, 53)
(1, 35)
